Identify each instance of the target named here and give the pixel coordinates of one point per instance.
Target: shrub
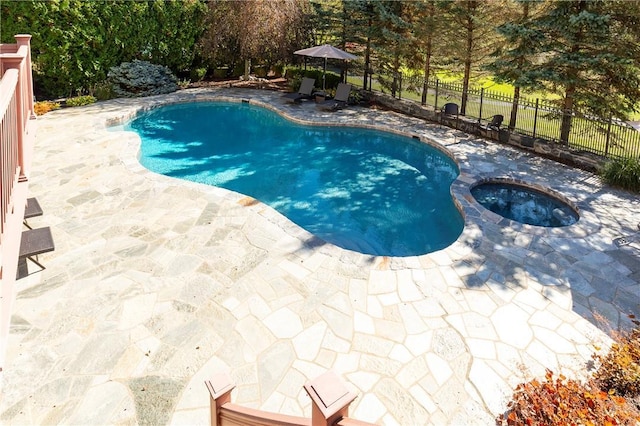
(260, 71)
(562, 401)
(277, 70)
(141, 78)
(197, 74)
(294, 83)
(103, 91)
(619, 370)
(80, 101)
(357, 97)
(624, 173)
(44, 107)
(611, 397)
(221, 73)
(296, 74)
(237, 70)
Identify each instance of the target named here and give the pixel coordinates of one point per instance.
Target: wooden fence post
(220, 387)
(330, 399)
(25, 40)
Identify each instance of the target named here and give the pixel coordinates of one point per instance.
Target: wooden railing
(9, 146)
(16, 121)
(17, 135)
(329, 395)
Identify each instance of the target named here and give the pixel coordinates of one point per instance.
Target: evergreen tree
(585, 51)
(326, 20)
(472, 36)
(427, 22)
(392, 42)
(365, 30)
(515, 55)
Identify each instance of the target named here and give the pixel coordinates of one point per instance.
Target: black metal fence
(533, 117)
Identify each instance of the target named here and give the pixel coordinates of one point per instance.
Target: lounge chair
(305, 91)
(339, 101)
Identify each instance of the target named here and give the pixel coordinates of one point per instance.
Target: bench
(32, 243)
(32, 209)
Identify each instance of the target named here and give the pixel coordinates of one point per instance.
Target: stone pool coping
(473, 212)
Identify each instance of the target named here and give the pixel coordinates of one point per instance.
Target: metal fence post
(535, 118)
(399, 85)
(481, 98)
(437, 84)
(606, 146)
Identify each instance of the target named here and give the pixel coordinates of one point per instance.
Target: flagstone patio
(158, 283)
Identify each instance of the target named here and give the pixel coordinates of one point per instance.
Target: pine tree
(471, 35)
(365, 29)
(585, 51)
(515, 54)
(393, 41)
(426, 26)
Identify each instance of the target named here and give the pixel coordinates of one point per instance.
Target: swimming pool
(364, 190)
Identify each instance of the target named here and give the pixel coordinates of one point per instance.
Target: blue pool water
(373, 192)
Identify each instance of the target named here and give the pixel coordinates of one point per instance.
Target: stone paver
(157, 283)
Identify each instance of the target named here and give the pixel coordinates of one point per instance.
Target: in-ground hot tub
(524, 203)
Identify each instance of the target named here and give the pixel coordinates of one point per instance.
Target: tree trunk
(471, 6)
(427, 71)
(367, 58)
(343, 45)
(428, 54)
(247, 69)
(467, 77)
(397, 76)
(567, 111)
(516, 89)
(514, 108)
(572, 74)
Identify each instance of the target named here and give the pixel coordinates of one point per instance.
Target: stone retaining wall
(543, 147)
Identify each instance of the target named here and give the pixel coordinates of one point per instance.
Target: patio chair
(450, 110)
(304, 92)
(339, 101)
(494, 123)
